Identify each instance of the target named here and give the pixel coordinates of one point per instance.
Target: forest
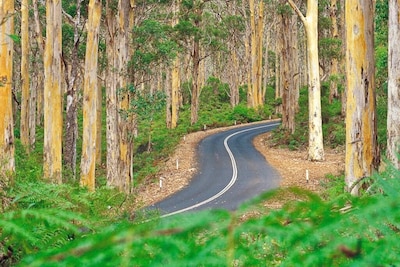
(95, 96)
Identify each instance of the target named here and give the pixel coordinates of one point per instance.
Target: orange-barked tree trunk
(362, 155)
(89, 135)
(7, 163)
(25, 97)
(52, 93)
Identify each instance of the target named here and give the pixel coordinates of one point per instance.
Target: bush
(344, 231)
(243, 114)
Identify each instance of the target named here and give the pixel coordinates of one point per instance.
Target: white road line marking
(234, 173)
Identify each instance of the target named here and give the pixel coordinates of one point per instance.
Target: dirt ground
(293, 167)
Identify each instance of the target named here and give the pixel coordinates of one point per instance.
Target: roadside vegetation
(65, 225)
(44, 224)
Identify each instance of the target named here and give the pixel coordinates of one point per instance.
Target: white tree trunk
(393, 120)
(315, 137)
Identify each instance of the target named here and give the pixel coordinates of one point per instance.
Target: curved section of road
(231, 171)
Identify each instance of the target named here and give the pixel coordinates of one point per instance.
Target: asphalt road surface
(231, 171)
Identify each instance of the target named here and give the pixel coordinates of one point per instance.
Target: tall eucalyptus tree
(7, 162)
(315, 137)
(393, 120)
(52, 93)
(362, 155)
(89, 136)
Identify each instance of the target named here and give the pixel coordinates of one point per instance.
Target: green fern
(346, 231)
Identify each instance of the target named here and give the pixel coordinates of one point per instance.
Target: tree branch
(297, 10)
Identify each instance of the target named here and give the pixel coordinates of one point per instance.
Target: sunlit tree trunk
(89, 134)
(25, 96)
(393, 120)
(315, 138)
(52, 93)
(7, 163)
(126, 118)
(361, 138)
(175, 80)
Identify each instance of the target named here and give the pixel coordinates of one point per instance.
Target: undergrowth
(345, 231)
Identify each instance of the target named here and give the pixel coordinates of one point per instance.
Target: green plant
(343, 231)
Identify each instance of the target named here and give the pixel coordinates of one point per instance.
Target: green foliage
(16, 38)
(330, 48)
(344, 231)
(153, 44)
(242, 113)
(214, 92)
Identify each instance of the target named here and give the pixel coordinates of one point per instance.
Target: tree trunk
(25, 97)
(287, 70)
(361, 138)
(393, 120)
(260, 35)
(334, 69)
(99, 121)
(71, 117)
(52, 93)
(175, 88)
(175, 76)
(39, 77)
(120, 120)
(125, 120)
(253, 57)
(89, 135)
(111, 98)
(195, 100)
(195, 83)
(7, 163)
(315, 138)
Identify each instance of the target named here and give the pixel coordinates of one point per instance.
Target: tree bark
(99, 121)
(71, 120)
(39, 77)
(315, 138)
(111, 97)
(175, 76)
(334, 69)
(25, 97)
(89, 135)
(286, 69)
(7, 162)
(362, 155)
(52, 93)
(393, 120)
(120, 120)
(195, 100)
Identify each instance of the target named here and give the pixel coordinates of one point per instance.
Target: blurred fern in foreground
(346, 231)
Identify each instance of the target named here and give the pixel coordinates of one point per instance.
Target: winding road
(231, 171)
